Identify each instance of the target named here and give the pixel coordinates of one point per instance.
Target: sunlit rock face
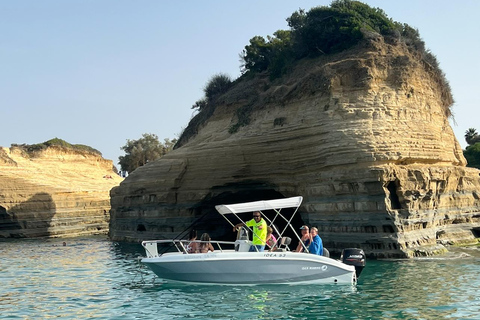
(362, 135)
(54, 193)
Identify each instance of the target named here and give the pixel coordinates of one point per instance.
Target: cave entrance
(393, 196)
(476, 232)
(210, 221)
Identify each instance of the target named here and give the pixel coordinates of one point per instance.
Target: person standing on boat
(305, 239)
(259, 227)
(316, 245)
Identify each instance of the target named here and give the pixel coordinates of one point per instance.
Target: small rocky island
(361, 133)
(53, 191)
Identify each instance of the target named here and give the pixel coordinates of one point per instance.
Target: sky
(100, 72)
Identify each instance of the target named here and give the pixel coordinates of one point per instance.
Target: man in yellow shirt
(259, 227)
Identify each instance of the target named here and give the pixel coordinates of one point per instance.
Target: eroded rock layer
(54, 193)
(363, 136)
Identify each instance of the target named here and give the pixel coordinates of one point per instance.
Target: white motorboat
(231, 263)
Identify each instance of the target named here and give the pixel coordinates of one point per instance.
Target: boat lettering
(323, 268)
(199, 256)
(275, 255)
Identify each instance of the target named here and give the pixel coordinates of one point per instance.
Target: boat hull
(250, 268)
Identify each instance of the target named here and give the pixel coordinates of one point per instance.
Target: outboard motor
(354, 257)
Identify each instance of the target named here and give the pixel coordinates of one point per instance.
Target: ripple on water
(96, 278)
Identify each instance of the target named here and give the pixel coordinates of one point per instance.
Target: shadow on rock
(29, 219)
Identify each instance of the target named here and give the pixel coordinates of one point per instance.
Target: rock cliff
(362, 135)
(54, 193)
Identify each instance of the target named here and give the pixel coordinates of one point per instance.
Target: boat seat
(326, 253)
(283, 244)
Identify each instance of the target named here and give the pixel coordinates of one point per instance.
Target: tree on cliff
(472, 154)
(472, 151)
(327, 30)
(471, 136)
(140, 152)
(322, 30)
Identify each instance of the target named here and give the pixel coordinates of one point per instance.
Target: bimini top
(293, 202)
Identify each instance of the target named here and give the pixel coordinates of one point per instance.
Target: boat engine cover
(354, 257)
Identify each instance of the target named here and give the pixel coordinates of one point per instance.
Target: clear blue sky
(99, 72)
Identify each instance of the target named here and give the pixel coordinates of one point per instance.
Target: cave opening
(476, 232)
(393, 197)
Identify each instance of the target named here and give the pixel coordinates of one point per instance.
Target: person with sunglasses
(259, 227)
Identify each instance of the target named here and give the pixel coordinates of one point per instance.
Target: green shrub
(217, 85)
(472, 154)
(324, 30)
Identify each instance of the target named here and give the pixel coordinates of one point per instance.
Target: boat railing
(151, 246)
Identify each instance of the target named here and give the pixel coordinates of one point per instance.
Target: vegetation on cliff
(471, 136)
(140, 152)
(326, 30)
(31, 149)
(323, 30)
(472, 151)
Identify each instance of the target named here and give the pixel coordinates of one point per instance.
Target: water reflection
(414, 289)
(248, 302)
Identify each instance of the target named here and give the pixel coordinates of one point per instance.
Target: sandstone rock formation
(363, 136)
(54, 193)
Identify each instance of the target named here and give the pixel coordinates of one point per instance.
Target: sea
(95, 278)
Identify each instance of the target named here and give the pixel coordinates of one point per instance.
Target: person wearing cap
(316, 245)
(305, 239)
(259, 227)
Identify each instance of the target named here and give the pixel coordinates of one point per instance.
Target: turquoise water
(99, 279)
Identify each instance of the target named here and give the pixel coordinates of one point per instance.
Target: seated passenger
(316, 245)
(205, 246)
(271, 241)
(305, 239)
(191, 246)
